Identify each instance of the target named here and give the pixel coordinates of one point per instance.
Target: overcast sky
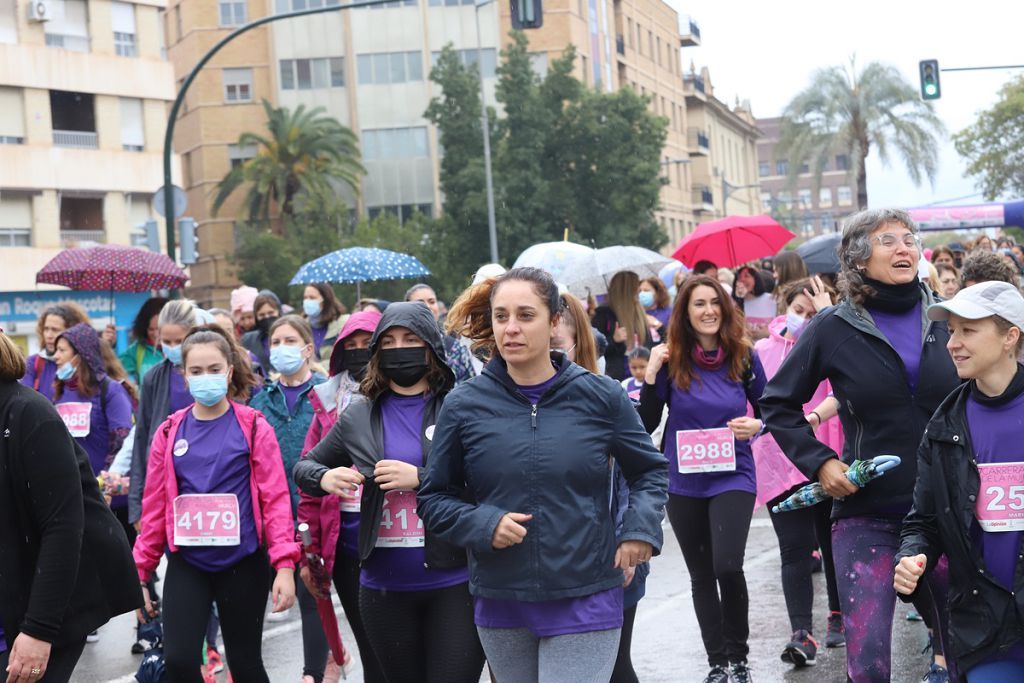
(766, 52)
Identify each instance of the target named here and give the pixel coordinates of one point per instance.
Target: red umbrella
(324, 606)
(112, 267)
(733, 240)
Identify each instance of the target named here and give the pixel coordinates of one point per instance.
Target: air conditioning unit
(40, 10)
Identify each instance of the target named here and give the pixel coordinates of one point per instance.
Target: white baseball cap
(487, 271)
(983, 300)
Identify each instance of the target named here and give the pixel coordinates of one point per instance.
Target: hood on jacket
(418, 318)
(363, 321)
(86, 343)
(776, 328)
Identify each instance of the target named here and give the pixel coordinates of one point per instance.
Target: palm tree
(301, 154)
(846, 112)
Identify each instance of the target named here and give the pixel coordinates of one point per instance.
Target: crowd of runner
(484, 486)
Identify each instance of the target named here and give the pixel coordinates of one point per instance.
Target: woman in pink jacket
(217, 500)
(334, 520)
(777, 478)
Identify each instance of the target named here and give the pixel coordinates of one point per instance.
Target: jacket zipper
(533, 416)
(860, 430)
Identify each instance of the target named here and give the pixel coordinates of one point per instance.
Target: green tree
(993, 144)
(301, 154)
(846, 111)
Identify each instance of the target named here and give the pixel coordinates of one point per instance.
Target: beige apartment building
(723, 147)
(83, 95)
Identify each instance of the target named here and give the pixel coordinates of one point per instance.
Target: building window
(239, 154)
(383, 68)
(15, 220)
(450, 3)
(650, 43)
(307, 74)
(232, 13)
(786, 200)
(133, 134)
(122, 15)
(766, 199)
(15, 237)
(842, 162)
(825, 197)
(12, 117)
(781, 167)
(69, 28)
(539, 64)
(469, 58)
(629, 32)
(8, 21)
(186, 169)
(237, 85)
(404, 211)
(804, 198)
(395, 143)
(177, 21)
(844, 196)
(764, 169)
(658, 42)
(804, 169)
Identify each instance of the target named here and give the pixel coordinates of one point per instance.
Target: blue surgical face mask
(208, 390)
(172, 353)
(286, 359)
(672, 291)
(795, 324)
(647, 299)
(64, 372)
(312, 307)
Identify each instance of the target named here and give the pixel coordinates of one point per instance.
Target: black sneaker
(741, 673)
(836, 635)
(718, 674)
(801, 649)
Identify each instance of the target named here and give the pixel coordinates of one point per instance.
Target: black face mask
(404, 366)
(356, 361)
(263, 325)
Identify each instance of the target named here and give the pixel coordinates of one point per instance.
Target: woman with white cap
(969, 496)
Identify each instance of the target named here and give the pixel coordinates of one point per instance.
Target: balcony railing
(694, 81)
(73, 43)
(689, 32)
(620, 45)
(12, 140)
(694, 29)
(78, 139)
(73, 238)
(703, 198)
(698, 141)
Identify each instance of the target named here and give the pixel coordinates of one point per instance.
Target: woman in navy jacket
(528, 442)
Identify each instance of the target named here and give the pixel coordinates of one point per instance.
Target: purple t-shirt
(596, 612)
(292, 394)
(216, 461)
(319, 334)
(995, 435)
(118, 416)
(711, 401)
(180, 397)
(47, 373)
(903, 330)
(402, 569)
(662, 314)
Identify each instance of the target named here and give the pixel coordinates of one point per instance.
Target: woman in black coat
(56, 534)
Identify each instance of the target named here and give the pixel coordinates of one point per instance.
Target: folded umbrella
(732, 241)
(860, 473)
(324, 606)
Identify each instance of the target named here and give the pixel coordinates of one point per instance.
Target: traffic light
(527, 14)
(188, 249)
(930, 88)
(152, 231)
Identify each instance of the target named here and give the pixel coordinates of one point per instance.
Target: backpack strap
(40, 364)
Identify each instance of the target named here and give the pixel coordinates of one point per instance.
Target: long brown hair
(12, 362)
(242, 377)
(682, 339)
(661, 297)
(331, 309)
(87, 384)
(300, 325)
(575, 315)
(622, 299)
(68, 311)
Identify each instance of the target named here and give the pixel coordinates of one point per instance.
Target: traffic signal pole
(172, 118)
(492, 229)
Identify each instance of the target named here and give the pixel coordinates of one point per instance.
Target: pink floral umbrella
(112, 267)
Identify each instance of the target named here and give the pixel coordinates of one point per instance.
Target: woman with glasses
(889, 370)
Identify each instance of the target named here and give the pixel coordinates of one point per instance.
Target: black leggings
(59, 666)
(797, 532)
(423, 636)
(346, 582)
(623, 672)
(238, 591)
(712, 533)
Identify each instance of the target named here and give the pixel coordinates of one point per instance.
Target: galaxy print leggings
(863, 549)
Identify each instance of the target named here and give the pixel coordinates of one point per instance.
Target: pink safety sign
(1000, 505)
(705, 450)
(350, 500)
(206, 519)
(77, 417)
(400, 526)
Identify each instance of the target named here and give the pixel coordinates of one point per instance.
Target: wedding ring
(36, 671)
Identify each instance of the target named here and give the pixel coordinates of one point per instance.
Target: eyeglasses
(889, 241)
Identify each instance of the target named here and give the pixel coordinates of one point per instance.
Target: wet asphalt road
(666, 641)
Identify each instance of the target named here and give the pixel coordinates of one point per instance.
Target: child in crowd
(638, 358)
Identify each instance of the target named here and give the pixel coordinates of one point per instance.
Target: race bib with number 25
(1000, 505)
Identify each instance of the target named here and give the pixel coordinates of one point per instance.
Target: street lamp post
(176, 106)
(492, 228)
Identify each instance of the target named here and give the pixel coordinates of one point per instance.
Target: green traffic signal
(930, 87)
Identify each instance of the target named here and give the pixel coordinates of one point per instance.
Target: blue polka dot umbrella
(358, 265)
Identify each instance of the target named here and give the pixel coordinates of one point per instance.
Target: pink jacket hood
(270, 498)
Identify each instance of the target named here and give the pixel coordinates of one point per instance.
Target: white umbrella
(590, 273)
(551, 256)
